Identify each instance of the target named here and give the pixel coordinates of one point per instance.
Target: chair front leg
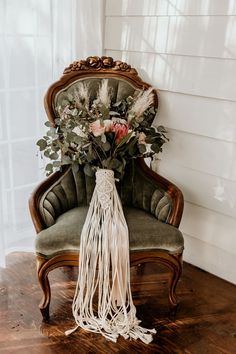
(175, 276)
(172, 261)
(44, 283)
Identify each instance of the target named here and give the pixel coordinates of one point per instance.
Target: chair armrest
(38, 196)
(172, 190)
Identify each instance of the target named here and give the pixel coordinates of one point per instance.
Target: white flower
(141, 138)
(119, 120)
(97, 128)
(107, 124)
(77, 130)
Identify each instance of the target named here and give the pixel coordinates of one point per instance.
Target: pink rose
(97, 128)
(120, 131)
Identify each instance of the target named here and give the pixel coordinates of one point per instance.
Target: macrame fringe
(103, 300)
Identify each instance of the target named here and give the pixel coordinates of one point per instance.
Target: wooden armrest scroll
(173, 191)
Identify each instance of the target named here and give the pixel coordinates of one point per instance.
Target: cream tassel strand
(103, 300)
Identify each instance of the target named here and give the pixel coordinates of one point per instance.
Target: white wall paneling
(207, 77)
(202, 154)
(200, 188)
(210, 258)
(187, 50)
(209, 117)
(209, 226)
(185, 35)
(167, 7)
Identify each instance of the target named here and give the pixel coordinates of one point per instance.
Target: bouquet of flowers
(101, 133)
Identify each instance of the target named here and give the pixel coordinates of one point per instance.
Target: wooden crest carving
(97, 63)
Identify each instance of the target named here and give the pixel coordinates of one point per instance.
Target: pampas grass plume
(144, 100)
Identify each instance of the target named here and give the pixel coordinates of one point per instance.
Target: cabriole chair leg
(176, 273)
(44, 283)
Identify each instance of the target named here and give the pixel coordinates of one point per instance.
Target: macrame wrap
(103, 300)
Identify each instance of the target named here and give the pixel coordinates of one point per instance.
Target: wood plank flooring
(205, 322)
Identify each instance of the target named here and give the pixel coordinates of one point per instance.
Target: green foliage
(98, 136)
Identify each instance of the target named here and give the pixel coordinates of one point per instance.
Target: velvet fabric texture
(145, 232)
(76, 189)
(120, 89)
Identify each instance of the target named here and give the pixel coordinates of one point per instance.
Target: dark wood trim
(205, 321)
(92, 71)
(172, 261)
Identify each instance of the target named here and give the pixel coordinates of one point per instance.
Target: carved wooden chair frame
(102, 67)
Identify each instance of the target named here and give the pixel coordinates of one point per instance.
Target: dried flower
(144, 100)
(104, 94)
(81, 95)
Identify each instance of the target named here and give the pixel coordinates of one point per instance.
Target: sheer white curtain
(37, 41)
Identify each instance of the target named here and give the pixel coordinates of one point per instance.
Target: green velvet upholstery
(75, 189)
(120, 89)
(145, 232)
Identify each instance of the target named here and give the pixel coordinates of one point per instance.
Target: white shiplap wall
(187, 49)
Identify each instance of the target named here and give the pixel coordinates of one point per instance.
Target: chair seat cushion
(145, 232)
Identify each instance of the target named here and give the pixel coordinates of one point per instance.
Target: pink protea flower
(120, 131)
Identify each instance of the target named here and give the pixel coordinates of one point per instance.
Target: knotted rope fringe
(104, 269)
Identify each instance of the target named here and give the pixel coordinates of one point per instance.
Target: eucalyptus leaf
(66, 160)
(115, 163)
(155, 147)
(54, 156)
(106, 146)
(49, 167)
(106, 163)
(117, 104)
(142, 148)
(58, 121)
(42, 144)
(88, 170)
(56, 163)
(47, 153)
(162, 129)
(113, 113)
(48, 124)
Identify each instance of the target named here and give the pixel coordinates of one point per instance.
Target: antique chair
(153, 206)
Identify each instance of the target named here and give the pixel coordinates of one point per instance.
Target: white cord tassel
(103, 300)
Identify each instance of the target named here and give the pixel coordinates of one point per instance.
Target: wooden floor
(205, 322)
